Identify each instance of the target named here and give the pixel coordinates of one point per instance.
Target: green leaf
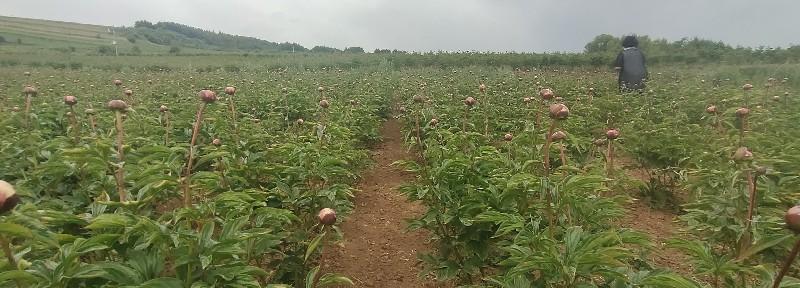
(232, 228)
(206, 233)
(311, 276)
(333, 279)
(762, 245)
(162, 283)
(16, 275)
(313, 246)
(669, 280)
(12, 229)
(88, 271)
(111, 221)
(119, 273)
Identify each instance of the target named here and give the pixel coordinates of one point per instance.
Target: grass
(43, 36)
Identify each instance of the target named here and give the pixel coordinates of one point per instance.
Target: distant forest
(690, 51)
(598, 52)
(179, 35)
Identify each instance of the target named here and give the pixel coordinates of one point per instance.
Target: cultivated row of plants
(171, 179)
(519, 174)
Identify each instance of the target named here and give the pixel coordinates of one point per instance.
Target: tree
(105, 50)
(2, 39)
(602, 44)
(143, 23)
(174, 50)
(354, 50)
(324, 49)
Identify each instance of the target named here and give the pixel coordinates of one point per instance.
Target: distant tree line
(174, 34)
(603, 49)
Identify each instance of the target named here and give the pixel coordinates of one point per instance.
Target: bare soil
(378, 250)
(660, 225)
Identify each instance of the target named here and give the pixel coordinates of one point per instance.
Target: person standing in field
(631, 65)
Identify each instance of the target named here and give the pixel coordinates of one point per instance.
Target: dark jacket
(633, 72)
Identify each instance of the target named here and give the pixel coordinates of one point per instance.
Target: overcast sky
(425, 25)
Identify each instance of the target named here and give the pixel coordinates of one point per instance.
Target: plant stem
(27, 110)
(286, 103)
(235, 123)
(321, 259)
(485, 115)
(6, 246)
(73, 121)
(466, 118)
(746, 99)
(546, 157)
(7, 250)
(786, 265)
(93, 124)
(751, 182)
(221, 167)
(166, 128)
(742, 129)
(187, 197)
(419, 136)
(610, 161)
(746, 237)
(546, 149)
(120, 174)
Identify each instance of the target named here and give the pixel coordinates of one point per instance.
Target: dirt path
(660, 225)
(377, 250)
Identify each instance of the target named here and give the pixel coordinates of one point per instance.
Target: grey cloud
(420, 25)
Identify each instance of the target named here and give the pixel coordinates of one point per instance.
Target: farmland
(231, 169)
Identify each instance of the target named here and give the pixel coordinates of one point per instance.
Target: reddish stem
(120, 174)
(187, 197)
(485, 115)
(166, 128)
(751, 181)
(93, 124)
(745, 241)
(235, 123)
(742, 129)
(610, 162)
(786, 265)
(6, 246)
(546, 149)
(75, 125)
(419, 136)
(27, 110)
(466, 118)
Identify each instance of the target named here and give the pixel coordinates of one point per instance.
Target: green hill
(23, 35)
(175, 34)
